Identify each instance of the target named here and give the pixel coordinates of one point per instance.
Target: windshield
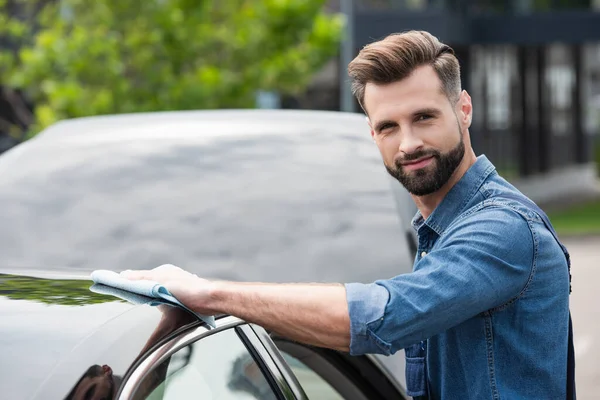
(296, 202)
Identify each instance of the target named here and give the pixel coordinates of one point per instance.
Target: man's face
(418, 131)
(97, 384)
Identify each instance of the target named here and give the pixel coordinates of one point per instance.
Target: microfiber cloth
(125, 295)
(148, 289)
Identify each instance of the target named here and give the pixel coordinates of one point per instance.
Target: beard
(431, 178)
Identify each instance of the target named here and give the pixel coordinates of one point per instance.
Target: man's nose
(409, 142)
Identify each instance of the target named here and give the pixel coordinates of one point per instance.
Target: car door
(228, 362)
(242, 361)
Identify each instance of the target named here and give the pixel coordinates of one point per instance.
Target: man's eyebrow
(421, 111)
(429, 110)
(384, 123)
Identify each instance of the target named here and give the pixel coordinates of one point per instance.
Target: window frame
(248, 338)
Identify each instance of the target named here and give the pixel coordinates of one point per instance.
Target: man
(485, 313)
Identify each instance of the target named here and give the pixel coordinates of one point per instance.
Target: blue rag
(127, 296)
(148, 289)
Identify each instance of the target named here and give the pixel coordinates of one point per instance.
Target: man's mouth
(417, 164)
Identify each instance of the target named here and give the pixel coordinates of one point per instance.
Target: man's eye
(424, 117)
(385, 128)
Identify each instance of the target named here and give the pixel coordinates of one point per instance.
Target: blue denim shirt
(485, 312)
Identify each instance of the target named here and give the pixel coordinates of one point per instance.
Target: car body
(253, 195)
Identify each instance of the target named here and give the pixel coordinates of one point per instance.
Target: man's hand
(316, 314)
(193, 291)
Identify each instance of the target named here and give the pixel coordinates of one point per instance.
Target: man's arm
(485, 261)
(315, 314)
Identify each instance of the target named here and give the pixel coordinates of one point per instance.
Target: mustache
(416, 155)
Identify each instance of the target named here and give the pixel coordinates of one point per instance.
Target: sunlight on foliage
(112, 56)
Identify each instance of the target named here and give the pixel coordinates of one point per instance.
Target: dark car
(256, 195)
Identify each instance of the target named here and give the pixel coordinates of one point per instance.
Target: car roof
(245, 195)
(149, 124)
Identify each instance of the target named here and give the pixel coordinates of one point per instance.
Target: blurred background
(532, 68)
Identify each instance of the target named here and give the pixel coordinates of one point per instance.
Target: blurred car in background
(254, 195)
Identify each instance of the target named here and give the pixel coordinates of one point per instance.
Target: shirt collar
(457, 198)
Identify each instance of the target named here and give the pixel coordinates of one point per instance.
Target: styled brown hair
(398, 55)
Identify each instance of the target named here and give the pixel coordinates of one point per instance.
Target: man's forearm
(315, 314)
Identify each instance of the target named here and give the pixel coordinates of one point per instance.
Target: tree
(15, 112)
(114, 56)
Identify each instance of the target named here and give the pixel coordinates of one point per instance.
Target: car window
(319, 377)
(218, 366)
(313, 384)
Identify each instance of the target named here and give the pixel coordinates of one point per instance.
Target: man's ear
(466, 109)
(370, 127)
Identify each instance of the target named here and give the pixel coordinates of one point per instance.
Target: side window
(313, 384)
(218, 366)
(320, 378)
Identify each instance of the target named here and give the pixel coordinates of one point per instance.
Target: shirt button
(423, 254)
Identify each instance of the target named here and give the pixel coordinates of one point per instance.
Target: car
(253, 195)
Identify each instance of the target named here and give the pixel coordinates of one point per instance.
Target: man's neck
(426, 204)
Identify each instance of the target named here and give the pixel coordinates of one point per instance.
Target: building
(532, 68)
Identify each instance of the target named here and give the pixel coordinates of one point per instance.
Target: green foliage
(580, 219)
(597, 155)
(114, 56)
(62, 292)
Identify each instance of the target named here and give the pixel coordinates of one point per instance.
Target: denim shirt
(485, 312)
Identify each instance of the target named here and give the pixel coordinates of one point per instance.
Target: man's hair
(397, 56)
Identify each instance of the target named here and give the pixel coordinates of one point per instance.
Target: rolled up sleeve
(366, 303)
(482, 262)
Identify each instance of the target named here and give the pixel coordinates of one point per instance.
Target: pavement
(585, 312)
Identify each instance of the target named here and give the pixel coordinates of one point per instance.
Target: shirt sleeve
(481, 262)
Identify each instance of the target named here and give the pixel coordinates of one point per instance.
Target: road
(585, 311)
